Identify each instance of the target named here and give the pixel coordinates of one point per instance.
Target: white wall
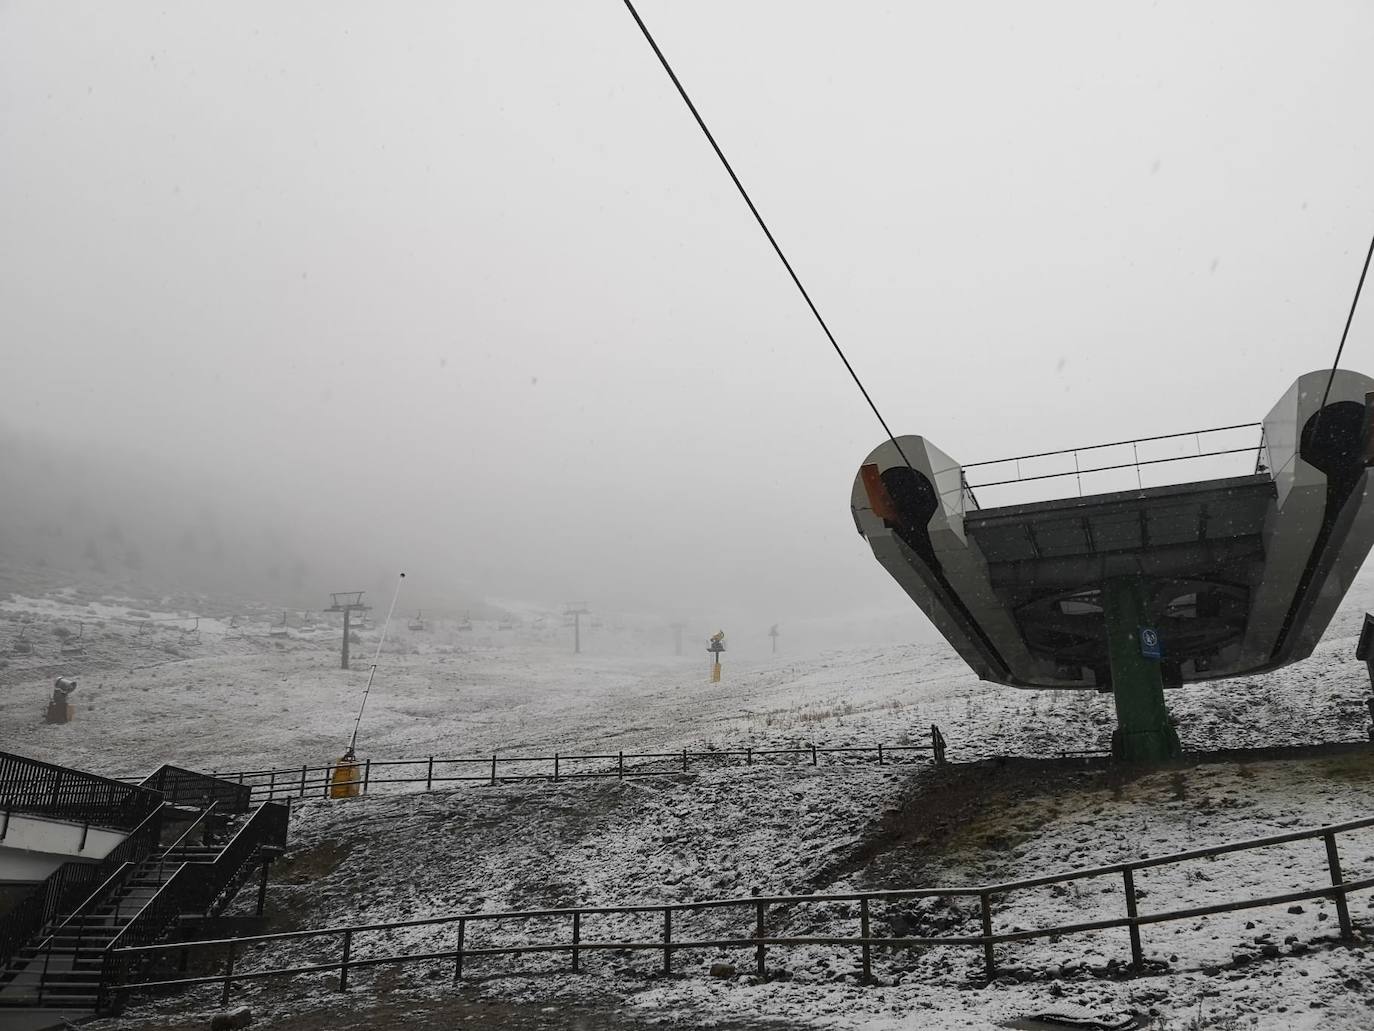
(35, 846)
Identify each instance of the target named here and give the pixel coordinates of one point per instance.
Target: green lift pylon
(1144, 731)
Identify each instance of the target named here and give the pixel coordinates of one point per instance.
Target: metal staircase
(55, 944)
(62, 967)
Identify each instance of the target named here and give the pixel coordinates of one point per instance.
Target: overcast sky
(462, 286)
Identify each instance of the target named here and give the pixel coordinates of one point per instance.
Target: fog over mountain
(292, 298)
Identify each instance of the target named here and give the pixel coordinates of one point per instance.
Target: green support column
(1144, 733)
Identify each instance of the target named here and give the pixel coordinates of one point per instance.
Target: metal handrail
(44, 903)
(266, 827)
(181, 785)
(1117, 443)
(566, 757)
(998, 938)
(33, 786)
(46, 946)
(1339, 889)
(162, 861)
(881, 895)
(297, 781)
(1123, 465)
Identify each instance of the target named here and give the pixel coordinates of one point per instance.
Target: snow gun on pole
(344, 782)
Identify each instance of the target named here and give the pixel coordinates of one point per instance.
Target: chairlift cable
(353, 741)
(1348, 320)
(682, 92)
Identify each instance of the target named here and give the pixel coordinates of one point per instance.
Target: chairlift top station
(1136, 590)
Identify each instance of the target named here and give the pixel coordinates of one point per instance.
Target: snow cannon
(1230, 562)
(343, 782)
(715, 647)
(60, 710)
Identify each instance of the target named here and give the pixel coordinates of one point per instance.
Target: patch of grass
(1351, 768)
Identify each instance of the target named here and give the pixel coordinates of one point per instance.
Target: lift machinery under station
(1136, 590)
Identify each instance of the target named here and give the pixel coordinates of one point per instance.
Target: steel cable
(764, 226)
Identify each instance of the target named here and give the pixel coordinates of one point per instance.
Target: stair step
(50, 986)
(86, 970)
(90, 954)
(67, 945)
(64, 1000)
(59, 957)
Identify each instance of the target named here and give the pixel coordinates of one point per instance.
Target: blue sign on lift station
(1149, 643)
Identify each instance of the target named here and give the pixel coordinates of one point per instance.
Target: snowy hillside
(247, 692)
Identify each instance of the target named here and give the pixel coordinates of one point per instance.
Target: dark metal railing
(756, 914)
(30, 786)
(192, 888)
(77, 924)
(304, 781)
(63, 891)
(1136, 462)
(182, 786)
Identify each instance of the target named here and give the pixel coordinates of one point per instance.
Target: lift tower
(347, 602)
(577, 612)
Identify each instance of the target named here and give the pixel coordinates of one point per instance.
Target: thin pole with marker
(372, 673)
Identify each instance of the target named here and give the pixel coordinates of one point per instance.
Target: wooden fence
(755, 912)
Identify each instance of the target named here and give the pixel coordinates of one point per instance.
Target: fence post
(458, 952)
(343, 969)
(684, 760)
(106, 975)
(43, 977)
(429, 777)
(324, 790)
(863, 933)
(620, 766)
(880, 753)
(367, 773)
(989, 962)
(228, 978)
(667, 939)
(303, 769)
(813, 755)
(493, 769)
(749, 756)
(758, 933)
(272, 787)
(1128, 878)
(555, 767)
(1333, 862)
(577, 937)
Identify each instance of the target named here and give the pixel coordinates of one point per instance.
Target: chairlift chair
(75, 647)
